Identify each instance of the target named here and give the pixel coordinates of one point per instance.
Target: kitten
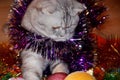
(54, 19)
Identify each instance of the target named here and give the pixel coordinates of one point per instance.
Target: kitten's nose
(61, 35)
(62, 32)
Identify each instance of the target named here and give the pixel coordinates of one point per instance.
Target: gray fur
(55, 19)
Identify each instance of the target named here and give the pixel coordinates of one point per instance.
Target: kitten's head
(55, 19)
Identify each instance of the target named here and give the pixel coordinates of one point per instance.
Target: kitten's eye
(46, 11)
(55, 27)
(74, 13)
(78, 13)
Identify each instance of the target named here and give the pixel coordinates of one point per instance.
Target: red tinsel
(7, 57)
(108, 52)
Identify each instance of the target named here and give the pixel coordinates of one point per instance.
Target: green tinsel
(7, 76)
(112, 75)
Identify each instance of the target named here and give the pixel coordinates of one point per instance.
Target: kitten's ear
(46, 7)
(49, 9)
(79, 8)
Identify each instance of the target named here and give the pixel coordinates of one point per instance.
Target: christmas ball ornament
(57, 76)
(78, 75)
(18, 78)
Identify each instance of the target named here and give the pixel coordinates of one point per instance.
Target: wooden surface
(4, 10)
(112, 25)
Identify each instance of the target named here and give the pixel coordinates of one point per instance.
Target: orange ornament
(78, 75)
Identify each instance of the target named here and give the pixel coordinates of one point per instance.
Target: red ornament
(57, 76)
(99, 73)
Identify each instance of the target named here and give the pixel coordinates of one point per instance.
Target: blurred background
(111, 27)
(4, 10)
(108, 51)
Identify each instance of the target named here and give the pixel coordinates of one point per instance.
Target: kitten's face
(55, 21)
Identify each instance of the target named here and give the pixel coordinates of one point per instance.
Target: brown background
(112, 25)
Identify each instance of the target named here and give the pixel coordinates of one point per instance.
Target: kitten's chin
(61, 38)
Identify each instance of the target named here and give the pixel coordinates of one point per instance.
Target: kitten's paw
(61, 67)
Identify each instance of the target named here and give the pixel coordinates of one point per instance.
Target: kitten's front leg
(32, 65)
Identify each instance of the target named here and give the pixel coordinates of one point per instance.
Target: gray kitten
(54, 19)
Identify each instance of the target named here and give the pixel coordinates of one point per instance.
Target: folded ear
(79, 7)
(47, 7)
